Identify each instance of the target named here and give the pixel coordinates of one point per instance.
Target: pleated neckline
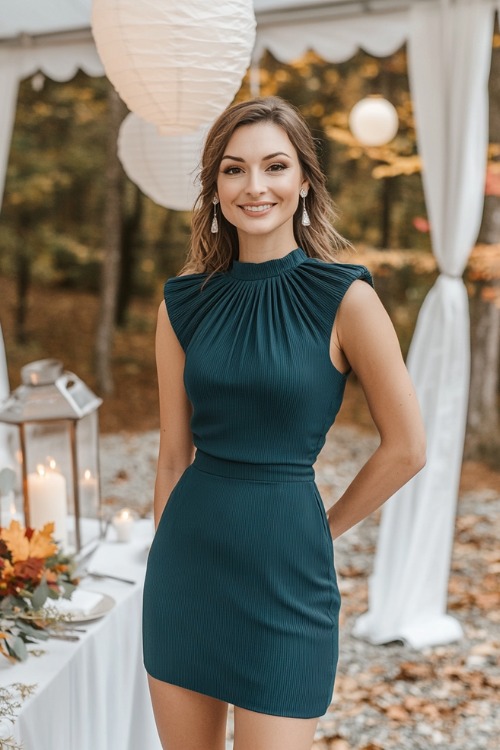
(265, 269)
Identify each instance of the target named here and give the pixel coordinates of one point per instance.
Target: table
(93, 694)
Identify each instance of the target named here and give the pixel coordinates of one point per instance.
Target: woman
(255, 340)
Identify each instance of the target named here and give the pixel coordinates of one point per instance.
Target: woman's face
(259, 182)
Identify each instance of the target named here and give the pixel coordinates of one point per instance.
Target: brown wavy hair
(210, 253)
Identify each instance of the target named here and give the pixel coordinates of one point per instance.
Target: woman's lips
(256, 210)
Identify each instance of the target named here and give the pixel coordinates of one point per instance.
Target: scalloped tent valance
(335, 30)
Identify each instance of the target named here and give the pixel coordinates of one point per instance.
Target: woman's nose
(255, 183)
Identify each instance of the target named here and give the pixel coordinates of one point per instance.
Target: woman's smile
(257, 209)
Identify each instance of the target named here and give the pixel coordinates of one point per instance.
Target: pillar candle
(89, 495)
(123, 523)
(48, 502)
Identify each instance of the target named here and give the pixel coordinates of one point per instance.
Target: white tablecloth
(93, 694)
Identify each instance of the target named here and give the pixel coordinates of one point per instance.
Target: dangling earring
(215, 224)
(306, 221)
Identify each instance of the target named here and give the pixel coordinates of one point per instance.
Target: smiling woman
(257, 140)
(255, 340)
(259, 190)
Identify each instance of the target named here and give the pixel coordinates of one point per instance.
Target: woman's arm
(364, 335)
(176, 441)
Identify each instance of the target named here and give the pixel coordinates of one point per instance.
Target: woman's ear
(304, 186)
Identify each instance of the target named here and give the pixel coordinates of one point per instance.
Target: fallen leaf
(397, 713)
(16, 541)
(42, 544)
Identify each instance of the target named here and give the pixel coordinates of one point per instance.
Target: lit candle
(48, 501)
(88, 494)
(123, 523)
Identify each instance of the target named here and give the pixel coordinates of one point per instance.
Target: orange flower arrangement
(32, 570)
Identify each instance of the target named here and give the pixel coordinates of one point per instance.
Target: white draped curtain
(9, 84)
(449, 62)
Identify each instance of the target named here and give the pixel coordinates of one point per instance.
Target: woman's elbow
(419, 460)
(408, 456)
(416, 455)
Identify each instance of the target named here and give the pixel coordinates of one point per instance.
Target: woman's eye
(277, 167)
(232, 170)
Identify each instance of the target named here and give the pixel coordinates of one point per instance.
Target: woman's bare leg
(256, 731)
(187, 720)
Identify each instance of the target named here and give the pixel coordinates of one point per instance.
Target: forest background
(84, 254)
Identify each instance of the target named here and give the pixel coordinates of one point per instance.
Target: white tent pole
(449, 62)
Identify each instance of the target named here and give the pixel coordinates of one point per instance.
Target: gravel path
(386, 697)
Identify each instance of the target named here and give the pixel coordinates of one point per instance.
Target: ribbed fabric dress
(241, 600)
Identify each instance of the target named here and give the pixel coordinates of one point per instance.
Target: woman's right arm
(176, 440)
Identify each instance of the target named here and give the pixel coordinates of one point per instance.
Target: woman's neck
(258, 249)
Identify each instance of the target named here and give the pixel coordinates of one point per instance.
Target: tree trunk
(483, 414)
(131, 226)
(110, 272)
(23, 281)
(23, 275)
(385, 216)
(483, 439)
(386, 88)
(482, 421)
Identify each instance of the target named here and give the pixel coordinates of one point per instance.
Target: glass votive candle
(123, 524)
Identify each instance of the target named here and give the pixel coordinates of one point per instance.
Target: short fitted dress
(241, 600)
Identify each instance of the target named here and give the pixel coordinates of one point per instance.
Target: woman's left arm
(366, 337)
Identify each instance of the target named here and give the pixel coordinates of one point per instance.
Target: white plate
(102, 608)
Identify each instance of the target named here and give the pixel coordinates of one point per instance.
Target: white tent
(449, 45)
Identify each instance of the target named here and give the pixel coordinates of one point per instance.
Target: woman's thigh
(256, 731)
(187, 720)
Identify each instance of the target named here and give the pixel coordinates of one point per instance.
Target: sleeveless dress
(240, 599)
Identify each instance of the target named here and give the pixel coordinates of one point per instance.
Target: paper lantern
(373, 121)
(164, 167)
(176, 64)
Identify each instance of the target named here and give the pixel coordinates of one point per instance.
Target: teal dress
(240, 599)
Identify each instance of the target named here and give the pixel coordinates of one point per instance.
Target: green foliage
(52, 214)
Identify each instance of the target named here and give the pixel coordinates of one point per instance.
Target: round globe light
(373, 121)
(175, 63)
(165, 168)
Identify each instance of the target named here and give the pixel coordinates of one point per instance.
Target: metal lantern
(163, 167)
(374, 121)
(176, 64)
(58, 453)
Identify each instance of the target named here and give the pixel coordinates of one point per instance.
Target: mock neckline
(246, 270)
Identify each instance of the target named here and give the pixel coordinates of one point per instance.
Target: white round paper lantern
(374, 121)
(165, 168)
(176, 63)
